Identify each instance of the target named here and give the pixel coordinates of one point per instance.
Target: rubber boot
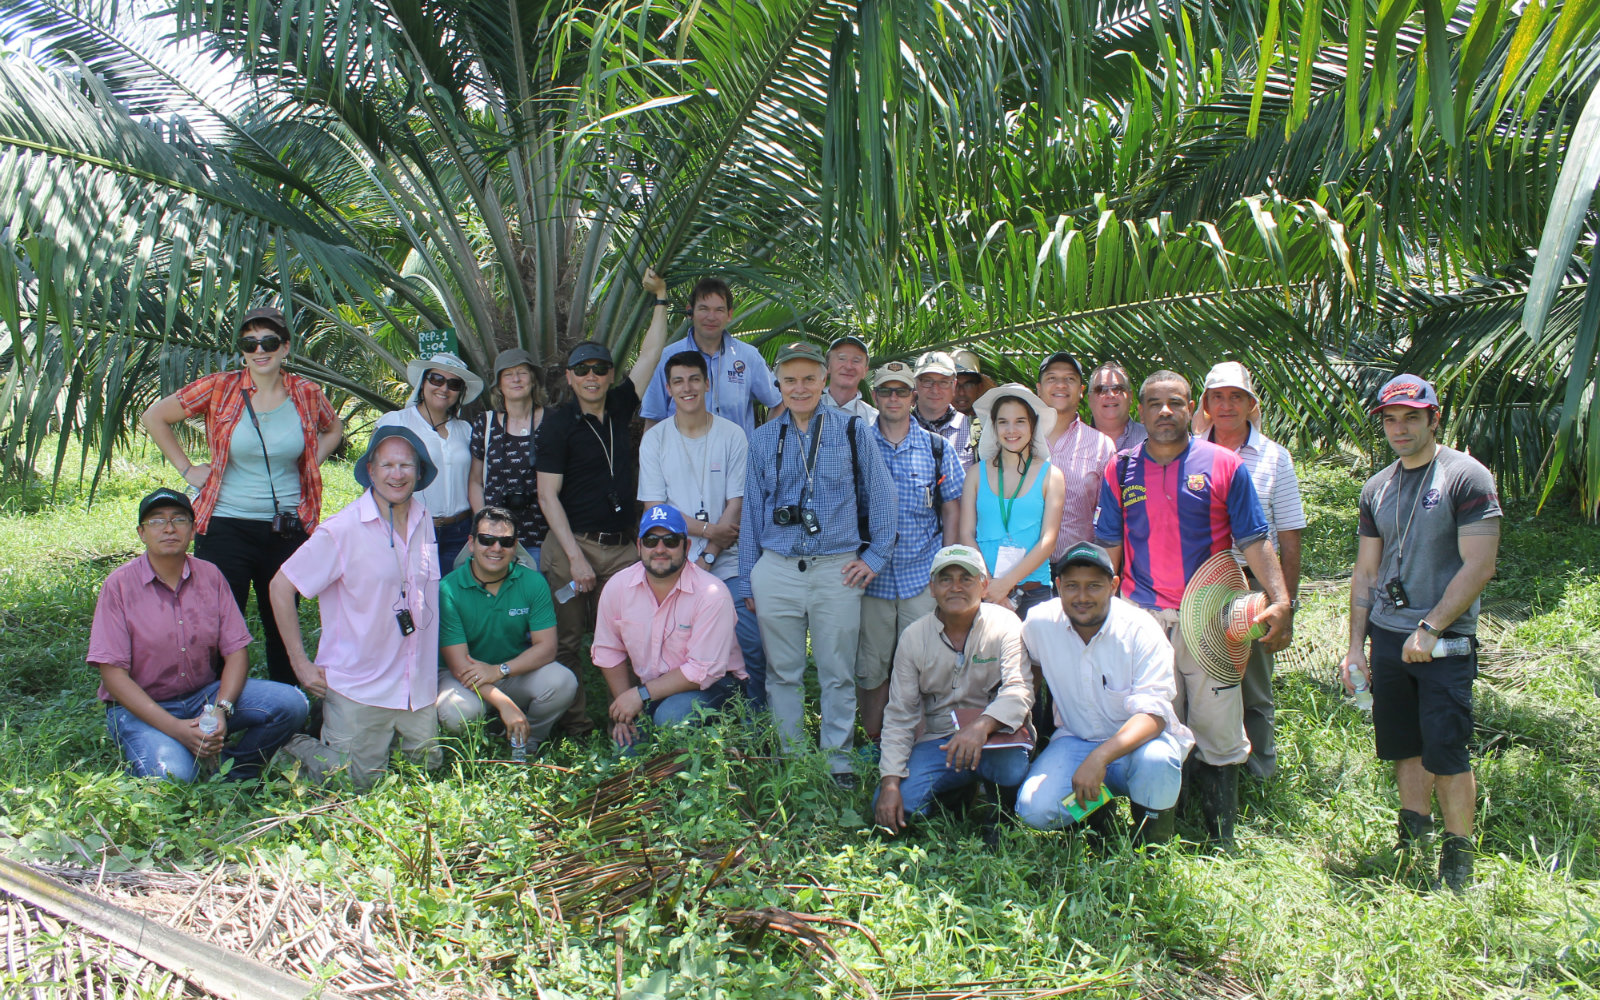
(1150, 826)
(1218, 787)
(1455, 862)
(1414, 831)
(1001, 815)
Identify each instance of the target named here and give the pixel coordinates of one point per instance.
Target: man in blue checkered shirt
(928, 476)
(804, 555)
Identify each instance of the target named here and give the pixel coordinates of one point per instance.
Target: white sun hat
(1044, 420)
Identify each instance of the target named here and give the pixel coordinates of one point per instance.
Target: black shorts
(1421, 709)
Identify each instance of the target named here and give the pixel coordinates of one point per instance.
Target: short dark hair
(1033, 418)
(499, 515)
(687, 359)
(711, 286)
(1163, 375)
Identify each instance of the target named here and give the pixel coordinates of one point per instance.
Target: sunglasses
(249, 345)
(439, 378)
(584, 368)
(670, 541)
(504, 541)
(892, 391)
(1110, 390)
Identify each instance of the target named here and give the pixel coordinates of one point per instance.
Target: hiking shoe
(1455, 862)
(846, 781)
(1414, 830)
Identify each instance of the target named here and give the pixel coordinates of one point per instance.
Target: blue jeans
(267, 714)
(1149, 776)
(928, 775)
(755, 655)
(678, 708)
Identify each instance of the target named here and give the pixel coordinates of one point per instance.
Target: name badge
(1007, 558)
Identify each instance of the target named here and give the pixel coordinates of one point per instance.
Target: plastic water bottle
(208, 720)
(1363, 690)
(519, 749)
(1455, 645)
(567, 593)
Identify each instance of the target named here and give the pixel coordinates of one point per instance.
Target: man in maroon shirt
(162, 625)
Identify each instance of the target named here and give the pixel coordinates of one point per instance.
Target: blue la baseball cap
(1406, 390)
(663, 516)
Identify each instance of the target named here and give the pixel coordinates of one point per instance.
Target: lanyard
(399, 564)
(1006, 504)
(1422, 486)
(808, 458)
(608, 450)
(698, 474)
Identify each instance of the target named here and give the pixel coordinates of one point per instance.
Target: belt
(445, 522)
(604, 537)
(1030, 585)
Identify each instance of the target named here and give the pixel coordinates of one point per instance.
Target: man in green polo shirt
(497, 639)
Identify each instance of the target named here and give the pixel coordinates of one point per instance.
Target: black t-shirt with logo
(597, 459)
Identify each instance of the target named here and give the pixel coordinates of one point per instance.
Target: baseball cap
(588, 350)
(164, 498)
(1061, 358)
(1406, 390)
(965, 556)
(966, 362)
(800, 350)
(270, 315)
(663, 516)
(936, 363)
(1084, 554)
(894, 371)
(1229, 375)
(850, 340)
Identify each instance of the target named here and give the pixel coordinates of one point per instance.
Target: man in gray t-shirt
(1429, 534)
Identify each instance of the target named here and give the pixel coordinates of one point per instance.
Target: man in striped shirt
(1230, 416)
(1168, 506)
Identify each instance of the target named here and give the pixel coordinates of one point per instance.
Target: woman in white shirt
(441, 386)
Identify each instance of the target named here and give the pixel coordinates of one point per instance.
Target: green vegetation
(673, 866)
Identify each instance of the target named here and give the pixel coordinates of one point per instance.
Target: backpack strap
(863, 527)
(938, 470)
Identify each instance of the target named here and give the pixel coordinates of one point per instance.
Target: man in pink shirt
(1078, 450)
(664, 635)
(162, 624)
(374, 569)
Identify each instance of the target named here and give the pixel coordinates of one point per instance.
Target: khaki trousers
(356, 740)
(1215, 711)
(542, 695)
(882, 621)
(575, 619)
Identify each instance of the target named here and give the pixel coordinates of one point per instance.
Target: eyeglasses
(892, 391)
(439, 378)
(504, 541)
(249, 345)
(584, 368)
(1110, 390)
(670, 541)
(180, 522)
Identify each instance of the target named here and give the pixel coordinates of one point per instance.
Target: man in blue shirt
(737, 374)
(928, 480)
(800, 536)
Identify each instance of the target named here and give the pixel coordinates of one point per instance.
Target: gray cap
(511, 358)
(270, 315)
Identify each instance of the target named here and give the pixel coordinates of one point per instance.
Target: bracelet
(185, 472)
(663, 302)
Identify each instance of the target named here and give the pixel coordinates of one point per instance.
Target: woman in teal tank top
(1011, 506)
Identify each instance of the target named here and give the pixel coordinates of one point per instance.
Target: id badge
(927, 497)
(1006, 558)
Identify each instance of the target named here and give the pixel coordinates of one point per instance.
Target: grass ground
(515, 872)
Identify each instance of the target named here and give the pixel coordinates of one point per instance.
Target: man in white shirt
(1230, 416)
(848, 361)
(695, 461)
(1110, 669)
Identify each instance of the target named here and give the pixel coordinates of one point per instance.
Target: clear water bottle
(208, 720)
(519, 749)
(1453, 645)
(1363, 691)
(567, 593)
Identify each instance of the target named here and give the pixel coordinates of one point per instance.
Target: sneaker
(1455, 862)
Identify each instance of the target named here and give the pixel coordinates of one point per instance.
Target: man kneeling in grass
(964, 658)
(497, 638)
(1111, 674)
(162, 624)
(664, 633)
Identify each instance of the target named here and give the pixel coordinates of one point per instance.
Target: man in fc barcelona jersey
(1166, 506)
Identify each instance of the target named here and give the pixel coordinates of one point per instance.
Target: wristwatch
(1294, 605)
(663, 302)
(226, 706)
(709, 557)
(1429, 628)
(644, 695)
(505, 670)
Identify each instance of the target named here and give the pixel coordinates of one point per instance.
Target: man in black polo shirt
(587, 473)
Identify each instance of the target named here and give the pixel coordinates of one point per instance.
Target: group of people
(961, 561)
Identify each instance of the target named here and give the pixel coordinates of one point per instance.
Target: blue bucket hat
(426, 469)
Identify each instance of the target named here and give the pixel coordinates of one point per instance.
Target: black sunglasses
(249, 345)
(439, 378)
(504, 541)
(670, 541)
(583, 368)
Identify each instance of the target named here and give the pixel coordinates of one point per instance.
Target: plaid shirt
(920, 530)
(218, 397)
